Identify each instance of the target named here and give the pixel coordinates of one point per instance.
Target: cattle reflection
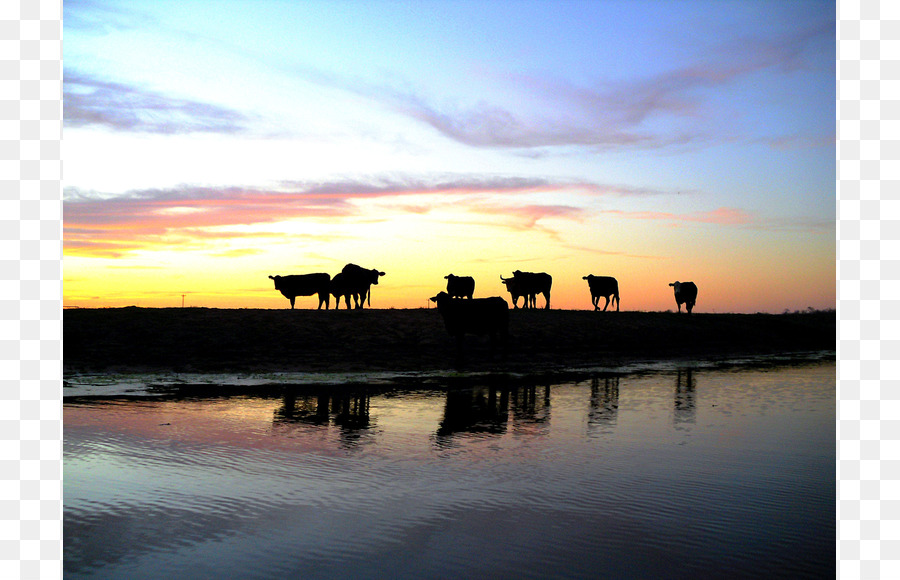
(489, 410)
(685, 405)
(531, 409)
(603, 409)
(344, 408)
(474, 410)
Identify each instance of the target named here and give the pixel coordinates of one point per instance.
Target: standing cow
(341, 288)
(513, 287)
(529, 285)
(354, 281)
(304, 285)
(478, 316)
(604, 286)
(686, 293)
(460, 286)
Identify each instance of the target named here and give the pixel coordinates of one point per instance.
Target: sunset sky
(208, 145)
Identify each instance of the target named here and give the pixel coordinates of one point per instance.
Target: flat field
(136, 339)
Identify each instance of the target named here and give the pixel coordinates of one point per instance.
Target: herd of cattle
(356, 282)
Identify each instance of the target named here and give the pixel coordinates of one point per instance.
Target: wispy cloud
(598, 251)
(729, 216)
(186, 215)
(91, 101)
(722, 216)
(98, 17)
(609, 114)
(115, 226)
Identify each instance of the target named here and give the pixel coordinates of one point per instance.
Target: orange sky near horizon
(423, 138)
(153, 253)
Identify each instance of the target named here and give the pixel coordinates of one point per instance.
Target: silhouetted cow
(340, 288)
(460, 286)
(529, 285)
(514, 288)
(304, 285)
(604, 286)
(686, 293)
(354, 281)
(478, 316)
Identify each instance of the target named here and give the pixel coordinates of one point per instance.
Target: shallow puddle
(681, 473)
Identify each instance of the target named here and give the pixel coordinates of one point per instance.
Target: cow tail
(369, 293)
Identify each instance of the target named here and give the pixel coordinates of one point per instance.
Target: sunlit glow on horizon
(243, 150)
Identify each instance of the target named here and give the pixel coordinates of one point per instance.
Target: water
(682, 474)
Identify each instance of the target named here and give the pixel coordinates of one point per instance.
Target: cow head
(677, 286)
(512, 285)
(375, 275)
(277, 280)
(442, 297)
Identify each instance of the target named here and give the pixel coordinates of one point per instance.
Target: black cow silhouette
(479, 316)
(514, 287)
(304, 285)
(685, 293)
(460, 286)
(604, 286)
(529, 285)
(354, 281)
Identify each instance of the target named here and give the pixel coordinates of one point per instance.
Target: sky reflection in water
(666, 475)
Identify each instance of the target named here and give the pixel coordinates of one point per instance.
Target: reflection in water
(491, 409)
(685, 406)
(311, 409)
(460, 480)
(531, 409)
(348, 409)
(604, 404)
(474, 410)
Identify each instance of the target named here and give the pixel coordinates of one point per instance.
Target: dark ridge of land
(243, 340)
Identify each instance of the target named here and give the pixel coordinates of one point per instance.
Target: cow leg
(617, 302)
(292, 298)
(547, 297)
(605, 306)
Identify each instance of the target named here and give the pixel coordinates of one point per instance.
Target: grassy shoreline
(135, 339)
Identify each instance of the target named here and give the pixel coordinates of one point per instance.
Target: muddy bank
(244, 340)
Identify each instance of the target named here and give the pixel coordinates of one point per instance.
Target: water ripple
(228, 487)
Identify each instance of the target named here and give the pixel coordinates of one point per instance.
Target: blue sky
(567, 136)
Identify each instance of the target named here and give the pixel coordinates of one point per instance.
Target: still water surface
(682, 474)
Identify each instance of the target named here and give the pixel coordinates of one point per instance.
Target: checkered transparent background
(31, 282)
(868, 228)
(868, 265)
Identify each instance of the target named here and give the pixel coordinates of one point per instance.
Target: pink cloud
(609, 114)
(115, 226)
(722, 216)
